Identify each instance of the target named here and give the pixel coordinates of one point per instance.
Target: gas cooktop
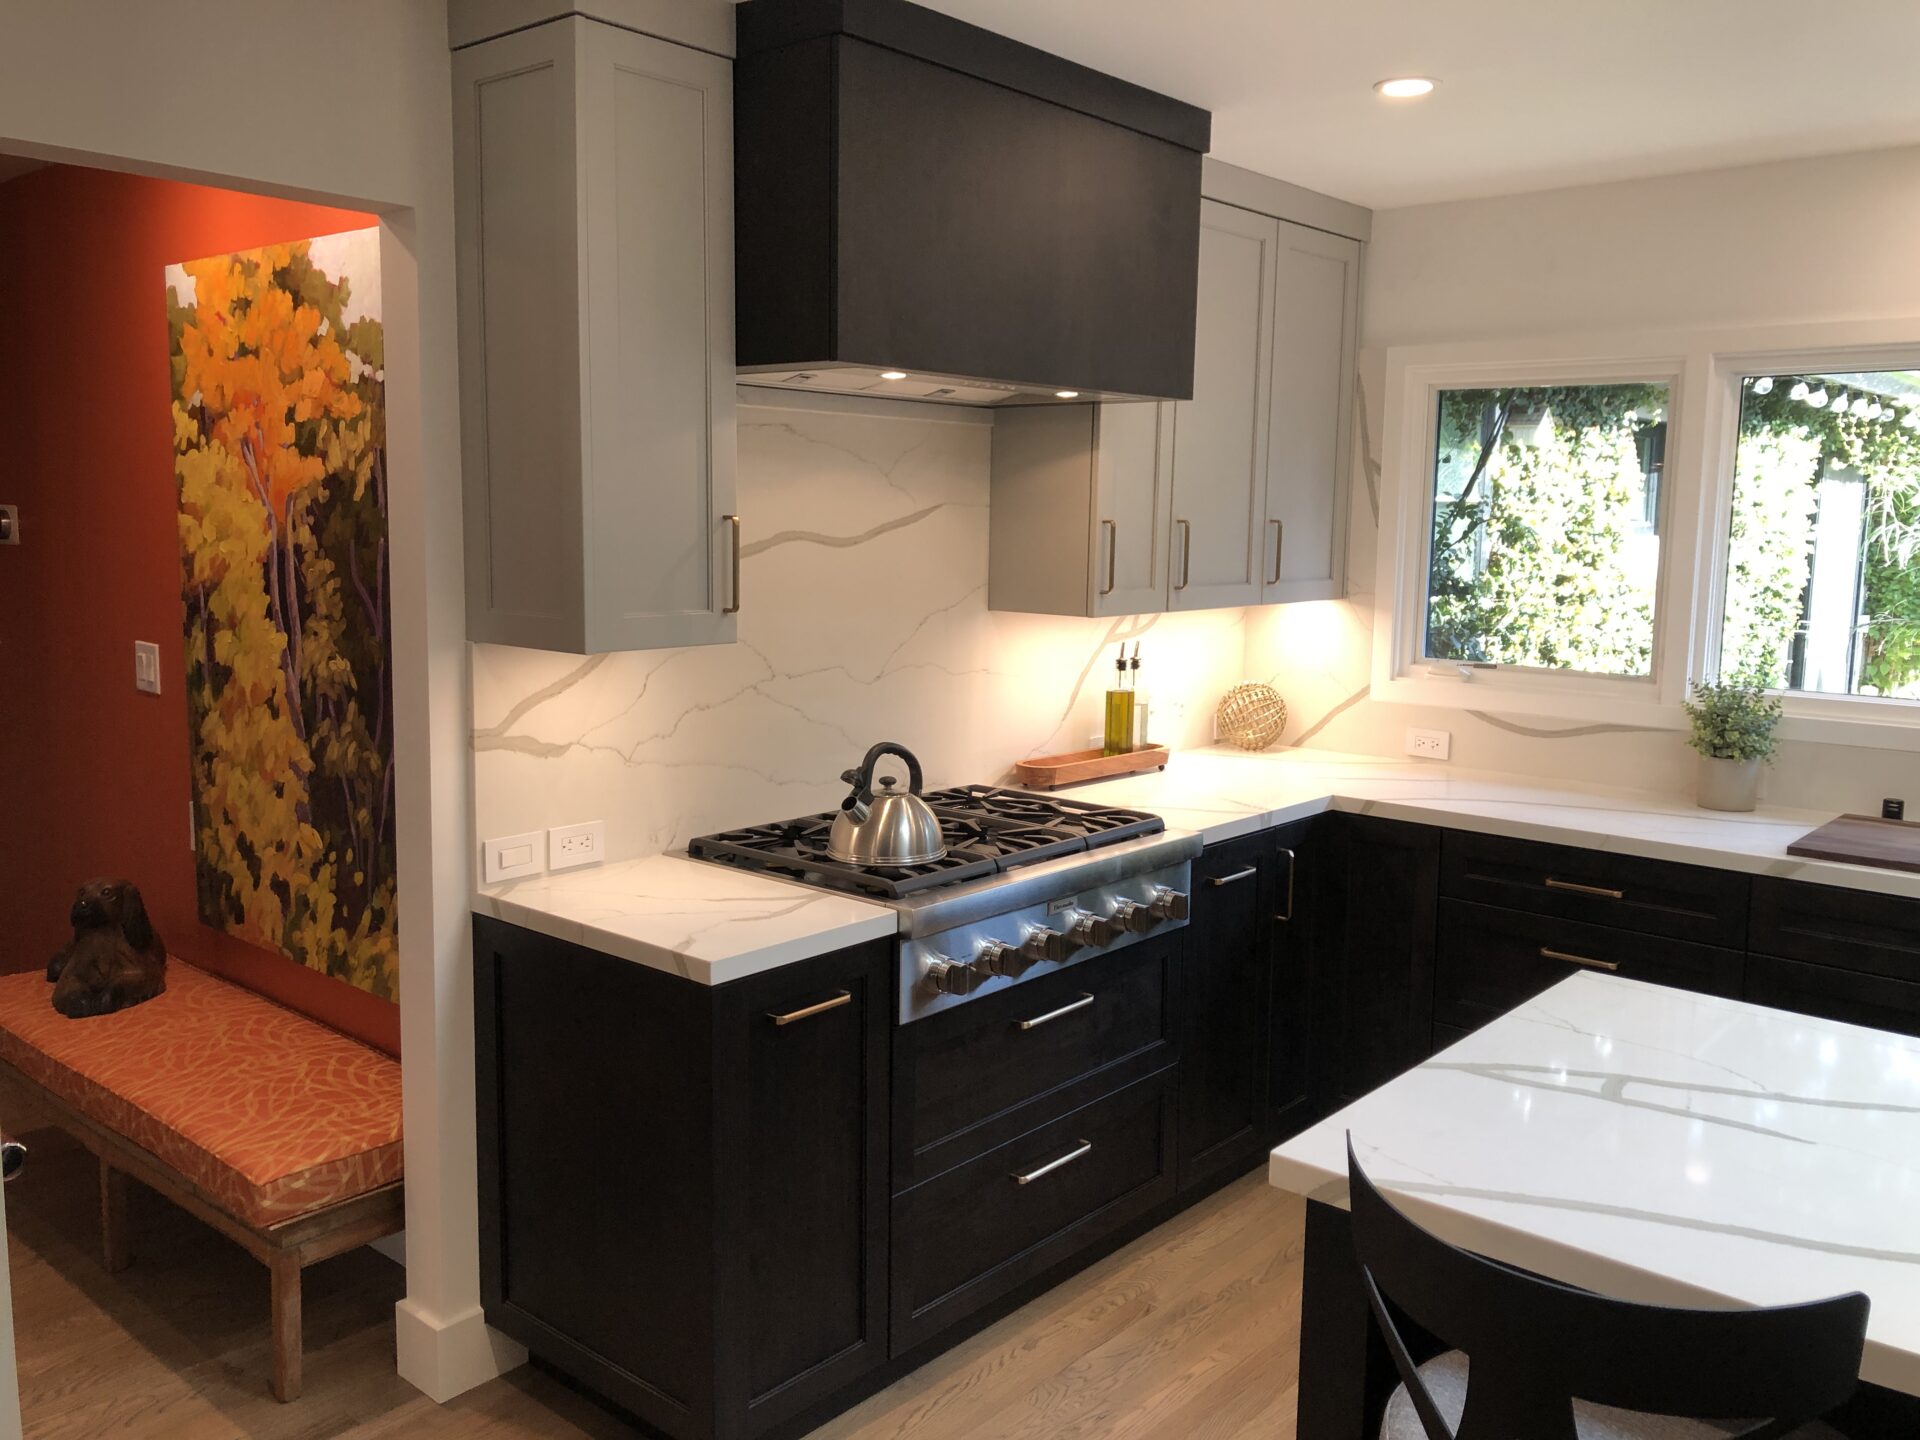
(987, 830)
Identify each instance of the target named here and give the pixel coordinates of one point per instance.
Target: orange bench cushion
(270, 1114)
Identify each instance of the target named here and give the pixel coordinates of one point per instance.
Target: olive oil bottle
(1119, 732)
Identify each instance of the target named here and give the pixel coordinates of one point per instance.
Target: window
(1823, 542)
(1543, 545)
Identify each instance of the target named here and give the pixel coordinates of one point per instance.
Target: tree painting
(279, 437)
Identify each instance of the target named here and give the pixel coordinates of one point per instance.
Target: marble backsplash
(865, 617)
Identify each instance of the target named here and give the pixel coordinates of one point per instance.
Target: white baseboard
(445, 1358)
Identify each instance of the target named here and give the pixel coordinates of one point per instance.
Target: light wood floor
(1191, 1331)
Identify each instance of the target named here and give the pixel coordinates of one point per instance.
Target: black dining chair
(1537, 1360)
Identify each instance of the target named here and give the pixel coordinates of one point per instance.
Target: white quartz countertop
(709, 923)
(1661, 1146)
(1222, 793)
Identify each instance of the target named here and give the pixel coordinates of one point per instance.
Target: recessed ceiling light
(1066, 394)
(1408, 87)
(893, 374)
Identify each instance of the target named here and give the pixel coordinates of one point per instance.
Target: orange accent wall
(94, 775)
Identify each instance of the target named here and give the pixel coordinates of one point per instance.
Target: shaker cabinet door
(1220, 436)
(1316, 304)
(594, 193)
(1133, 508)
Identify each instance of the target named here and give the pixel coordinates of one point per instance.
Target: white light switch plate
(146, 666)
(1429, 744)
(572, 845)
(511, 856)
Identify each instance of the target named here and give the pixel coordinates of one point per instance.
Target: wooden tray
(1863, 840)
(1050, 772)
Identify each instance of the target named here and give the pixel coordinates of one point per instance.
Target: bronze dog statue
(114, 959)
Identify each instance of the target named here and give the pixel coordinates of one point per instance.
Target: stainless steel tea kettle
(892, 828)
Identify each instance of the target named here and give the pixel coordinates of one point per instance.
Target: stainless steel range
(1028, 884)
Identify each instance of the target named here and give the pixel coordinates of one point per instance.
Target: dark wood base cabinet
(683, 1189)
(735, 1210)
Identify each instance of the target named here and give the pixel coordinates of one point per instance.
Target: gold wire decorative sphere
(1251, 716)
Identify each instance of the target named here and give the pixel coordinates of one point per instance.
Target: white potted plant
(1733, 731)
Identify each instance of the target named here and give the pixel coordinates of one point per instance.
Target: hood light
(1409, 87)
(1066, 394)
(893, 374)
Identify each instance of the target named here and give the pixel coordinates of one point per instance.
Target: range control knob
(1168, 904)
(1135, 917)
(950, 977)
(1044, 944)
(1095, 930)
(996, 957)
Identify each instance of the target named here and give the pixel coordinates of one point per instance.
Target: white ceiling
(1533, 93)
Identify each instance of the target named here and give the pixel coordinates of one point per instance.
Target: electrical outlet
(1429, 744)
(571, 845)
(146, 666)
(511, 856)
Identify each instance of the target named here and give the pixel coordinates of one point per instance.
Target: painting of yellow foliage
(279, 445)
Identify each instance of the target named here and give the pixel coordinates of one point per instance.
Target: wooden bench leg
(116, 1239)
(286, 1327)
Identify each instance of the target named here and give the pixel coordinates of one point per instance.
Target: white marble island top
(1222, 792)
(709, 923)
(1662, 1146)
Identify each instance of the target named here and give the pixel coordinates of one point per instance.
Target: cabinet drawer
(1872, 1000)
(979, 1074)
(1491, 960)
(1826, 925)
(1687, 902)
(971, 1235)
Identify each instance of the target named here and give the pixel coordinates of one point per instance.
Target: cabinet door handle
(1235, 877)
(1037, 1021)
(1591, 964)
(1052, 1165)
(1602, 891)
(1279, 541)
(1113, 544)
(1292, 865)
(734, 608)
(807, 1012)
(1186, 553)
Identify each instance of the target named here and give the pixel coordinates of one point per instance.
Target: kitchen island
(1642, 1142)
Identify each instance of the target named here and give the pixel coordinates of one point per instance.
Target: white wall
(344, 103)
(1796, 242)
(865, 618)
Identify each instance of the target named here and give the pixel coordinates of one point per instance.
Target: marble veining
(707, 923)
(1593, 1135)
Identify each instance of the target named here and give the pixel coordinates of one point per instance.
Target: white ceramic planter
(1727, 784)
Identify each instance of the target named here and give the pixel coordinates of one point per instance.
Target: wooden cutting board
(1863, 840)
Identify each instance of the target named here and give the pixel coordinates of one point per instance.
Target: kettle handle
(862, 778)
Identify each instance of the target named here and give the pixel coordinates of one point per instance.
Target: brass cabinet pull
(1292, 865)
(1186, 553)
(1037, 1021)
(1113, 543)
(807, 1012)
(1591, 964)
(1279, 540)
(1053, 1165)
(1579, 889)
(1238, 875)
(734, 608)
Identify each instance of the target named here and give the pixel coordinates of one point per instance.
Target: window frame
(1874, 721)
(1401, 671)
(1703, 367)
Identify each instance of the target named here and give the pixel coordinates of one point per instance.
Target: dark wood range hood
(918, 197)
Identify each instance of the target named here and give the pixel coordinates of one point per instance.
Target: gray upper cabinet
(1220, 436)
(1316, 302)
(1081, 509)
(1235, 497)
(594, 187)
